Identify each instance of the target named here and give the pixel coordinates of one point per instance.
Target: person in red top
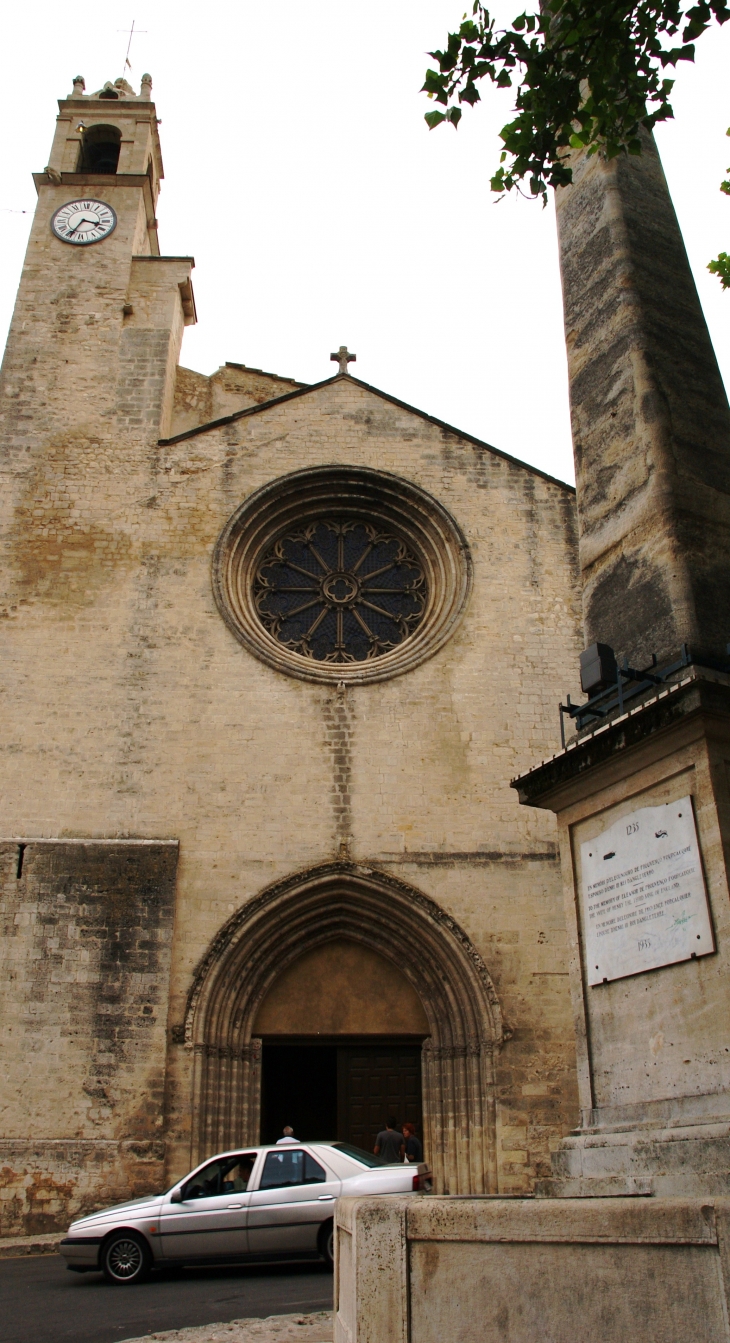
(413, 1147)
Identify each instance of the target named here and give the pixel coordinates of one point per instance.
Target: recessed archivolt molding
(366, 905)
(339, 887)
(374, 496)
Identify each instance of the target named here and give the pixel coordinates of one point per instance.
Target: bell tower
(99, 315)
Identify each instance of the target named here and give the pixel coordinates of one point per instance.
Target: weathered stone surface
(354, 983)
(653, 1060)
(198, 399)
(651, 423)
(45, 1184)
(518, 1271)
(85, 944)
(316, 1328)
(651, 432)
(172, 727)
(23, 1247)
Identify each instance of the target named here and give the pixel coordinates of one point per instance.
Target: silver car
(256, 1203)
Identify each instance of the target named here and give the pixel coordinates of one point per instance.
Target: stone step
(317, 1328)
(15, 1247)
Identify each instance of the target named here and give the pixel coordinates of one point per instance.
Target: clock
(83, 222)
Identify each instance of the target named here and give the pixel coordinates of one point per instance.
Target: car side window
(205, 1183)
(287, 1168)
(237, 1175)
(313, 1172)
(282, 1169)
(227, 1175)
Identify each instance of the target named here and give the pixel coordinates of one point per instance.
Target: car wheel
(125, 1258)
(327, 1244)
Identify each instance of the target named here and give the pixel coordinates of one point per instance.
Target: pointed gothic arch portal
(354, 904)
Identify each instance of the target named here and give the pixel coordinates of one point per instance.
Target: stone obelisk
(650, 418)
(642, 794)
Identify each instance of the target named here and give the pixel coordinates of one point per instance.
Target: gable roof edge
(384, 396)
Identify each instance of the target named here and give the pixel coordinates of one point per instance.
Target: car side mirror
(176, 1196)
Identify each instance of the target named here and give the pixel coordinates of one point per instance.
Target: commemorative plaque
(643, 894)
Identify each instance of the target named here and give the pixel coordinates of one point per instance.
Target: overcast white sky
(321, 211)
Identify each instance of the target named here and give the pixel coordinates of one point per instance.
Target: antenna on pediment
(131, 32)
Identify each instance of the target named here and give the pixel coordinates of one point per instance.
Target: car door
(295, 1195)
(210, 1222)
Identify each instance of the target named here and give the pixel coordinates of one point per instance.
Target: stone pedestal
(496, 1270)
(654, 1046)
(651, 435)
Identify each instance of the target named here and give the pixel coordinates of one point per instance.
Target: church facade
(272, 655)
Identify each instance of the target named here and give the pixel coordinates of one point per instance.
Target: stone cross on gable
(343, 358)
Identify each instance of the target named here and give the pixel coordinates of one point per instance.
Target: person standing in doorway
(389, 1145)
(288, 1137)
(414, 1148)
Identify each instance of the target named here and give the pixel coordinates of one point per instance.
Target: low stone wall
(491, 1270)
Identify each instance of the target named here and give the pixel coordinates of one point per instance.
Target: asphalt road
(41, 1302)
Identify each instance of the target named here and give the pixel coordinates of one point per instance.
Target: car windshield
(357, 1154)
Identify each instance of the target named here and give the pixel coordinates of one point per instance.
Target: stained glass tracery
(340, 590)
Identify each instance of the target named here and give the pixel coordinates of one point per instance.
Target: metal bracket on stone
(613, 694)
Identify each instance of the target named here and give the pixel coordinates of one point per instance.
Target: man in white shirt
(288, 1136)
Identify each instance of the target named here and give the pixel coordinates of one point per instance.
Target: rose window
(341, 574)
(340, 590)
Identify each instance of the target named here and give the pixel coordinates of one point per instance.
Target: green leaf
(721, 268)
(433, 119)
(587, 74)
(434, 83)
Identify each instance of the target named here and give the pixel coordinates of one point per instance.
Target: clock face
(82, 222)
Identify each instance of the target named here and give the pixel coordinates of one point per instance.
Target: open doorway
(342, 956)
(344, 1090)
(299, 1088)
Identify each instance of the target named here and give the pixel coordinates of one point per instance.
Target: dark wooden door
(374, 1082)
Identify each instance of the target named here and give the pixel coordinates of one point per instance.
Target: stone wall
(130, 708)
(85, 943)
(44, 1185)
(200, 399)
(155, 720)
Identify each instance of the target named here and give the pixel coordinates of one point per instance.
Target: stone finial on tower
(79, 84)
(146, 87)
(343, 358)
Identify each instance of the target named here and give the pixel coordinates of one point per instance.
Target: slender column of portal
(253, 1063)
(651, 423)
(431, 1130)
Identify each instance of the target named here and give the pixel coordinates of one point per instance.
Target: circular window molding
(374, 498)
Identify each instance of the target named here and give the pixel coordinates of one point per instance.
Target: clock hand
(86, 219)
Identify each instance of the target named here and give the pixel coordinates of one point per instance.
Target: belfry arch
(402, 925)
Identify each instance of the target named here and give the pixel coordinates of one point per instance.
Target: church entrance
(341, 1031)
(333, 999)
(345, 1089)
